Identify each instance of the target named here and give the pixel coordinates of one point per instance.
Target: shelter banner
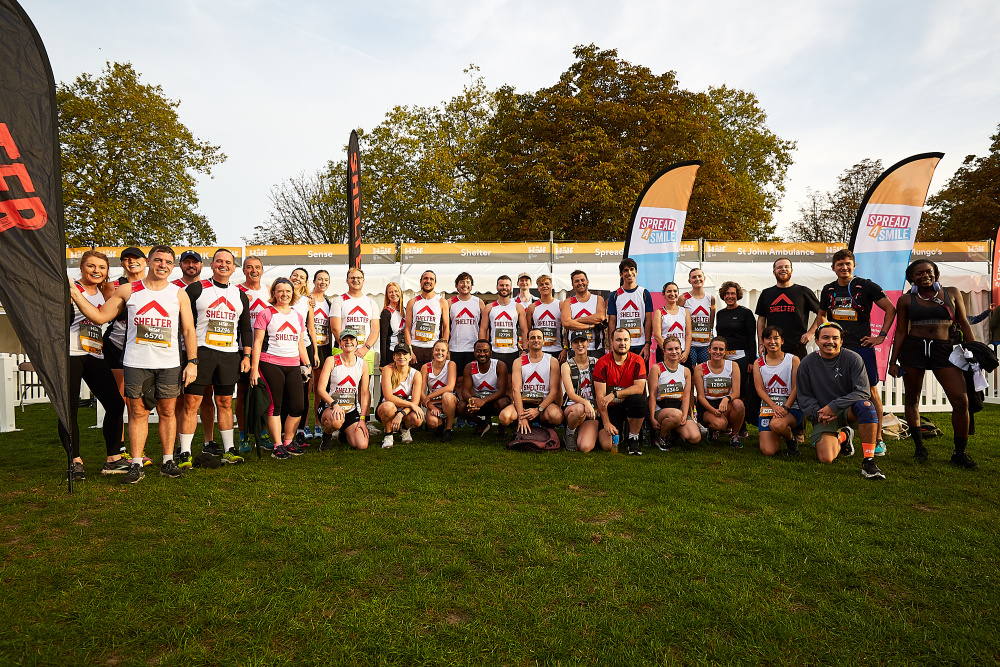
(353, 202)
(451, 253)
(653, 238)
(885, 228)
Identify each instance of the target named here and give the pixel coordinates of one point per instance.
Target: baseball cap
(523, 274)
(190, 254)
(132, 252)
(577, 335)
(348, 334)
(401, 347)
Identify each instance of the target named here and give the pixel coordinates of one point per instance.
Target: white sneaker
(407, 436)
(373, 429)
(387, 442)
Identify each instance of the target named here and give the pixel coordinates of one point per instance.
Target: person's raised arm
(108, 311)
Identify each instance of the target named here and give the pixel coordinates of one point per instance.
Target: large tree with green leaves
(967, 208)
(129, 164)
(829, 218)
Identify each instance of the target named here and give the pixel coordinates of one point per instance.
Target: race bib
(483, 393)
(504, 337)
(765, 409)
(347, 399)
(146, 334)
(549, 336)
(359, 332)
(532, 396)
(221, 333)
(718, 387)
(425, 331)
(90, 337)
(673, 390)
(322, 333)
(700, 332)
(633, 325)
(843, 309)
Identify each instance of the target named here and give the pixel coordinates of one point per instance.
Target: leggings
(98, 376)
(284, 383)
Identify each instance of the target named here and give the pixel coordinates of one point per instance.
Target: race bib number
(700, 332)
(221, 333)
(766, 410)
(322, 333)
(483, 393)
(347, 399)
(531, 396)
(549, 336)
(90, 337)
(718, 387)
(843, 309)
(425, 331)
(504, 337)
(150, 335)
(632, 325)
(673, 390)
(359, 332)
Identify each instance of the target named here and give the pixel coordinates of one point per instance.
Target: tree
(967, 208)
(830, 218)
(129, 164)
(310, 208)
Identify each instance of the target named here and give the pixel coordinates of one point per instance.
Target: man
(536, 388)
(483, 390)
(546, 314)
(157, 313)
(355, 312)
(848, 301)
(467, 313)
(524, 296)
(427, 321)
(579, 407)
(619, 388)
(787, 306)
(833, 391)
(258, 295)
(584, 311)
(221, 313)
(630, 307)
(505, 325)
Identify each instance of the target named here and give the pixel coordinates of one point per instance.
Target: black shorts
(714, 402)
(421, 356)
(925, 353)
(671, 403)
(462, 359)
(508, 359)
(219, 369)
(352, 417)
(632, 407)
(325, 351)
(113, 354)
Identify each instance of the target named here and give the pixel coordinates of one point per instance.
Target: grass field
(468, 554)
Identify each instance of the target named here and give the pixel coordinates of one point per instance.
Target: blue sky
(280, 85)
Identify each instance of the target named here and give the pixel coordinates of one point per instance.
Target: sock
(137, 461)
(168, 457)
(633, 436)
(186, 439)
(960, 444)
(227, 439)
(570, 431)
(868, 448)
(241, 436)
(286, 442)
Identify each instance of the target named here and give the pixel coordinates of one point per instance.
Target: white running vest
(153, 321)
(718, 385)
(578, 309)
(701, 318)
(356, 315)
(321, 321)
(503, 327)
(85, 337)
(630, 313)
(257, 298)
(219, 310)
(465, 318)
(547, 317)
(672, 326)
(535, 380)
(439, 381)
(485, 384)
(777, 383)
(670, 384)
(344, 382)
(425, 329)
(404, 389)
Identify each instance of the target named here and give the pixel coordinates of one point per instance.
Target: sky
(280, 85)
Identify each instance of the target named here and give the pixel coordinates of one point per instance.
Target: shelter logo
(288, 325)
(658, 230)
(222, 301)
(777, 307)
(533, 378)
(152, 305)
(17, 211)
(347, 380)
(775, 379)
(547, 314)
(467, 313)
(885, 227)
(675, 326)
(504, 314)
(484, 385)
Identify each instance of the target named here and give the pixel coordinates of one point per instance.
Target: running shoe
(265, 441)
(502, 432)
(448, 435)
(299, 441)
(279, 452)
(744, 433)
(570, 439)
(184, 460)
(373, 429)
(870, 471)
(245, 446)
(78, 472)
(703, 429)
(146, 461)
(880, 449)
(792, 449)
(119, 467)
(212, 448)
(232, 458)
(661, 443)
(482, 428)
(846, 437)
(294, 449)
(134, 474)
(735, 442)
(633, 446)
(387, 442)
(439, 432)
(170, 469)
(326, 443)
(407, 436)
(712, 436)
(206, 460)
(963, 461)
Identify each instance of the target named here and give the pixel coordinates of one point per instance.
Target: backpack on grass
(894, 428)
(539, 439)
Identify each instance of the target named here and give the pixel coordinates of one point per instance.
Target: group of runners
(584, 363)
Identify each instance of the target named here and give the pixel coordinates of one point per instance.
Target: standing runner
(157, 311)
(737, 325)
(427, 320)
(523, 295)
(467, 313)
(702, 309)
(584, 311)
(257, 296)
(546, 314)
(672, 321)
(787, 306)
(630, 307)
(505, 325)
(391, 322)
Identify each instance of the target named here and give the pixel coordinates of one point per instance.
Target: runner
(221, 314)
(344, 394)
(257, 296)
(324, 338)
(427, 320)
(774, 381)
(391, 321)
(738, 326)
(787, 306)
(281, 359)
(579, 406)
(848, 301)
(505, 325)
(400, 409)
(524, 296)
(619, 388)
(545, 314)
(670, 400)
(927, 316)
(630, 307)
(156, 311)
(702, 309)
(467, 313)
(438, 400)
(672, 321)
(305, 306)
(584, 311)
(87, 364)
(484, 389)
(833, 391)
(719, 381)
(536, 388)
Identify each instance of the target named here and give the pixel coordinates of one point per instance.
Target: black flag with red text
(353, 203)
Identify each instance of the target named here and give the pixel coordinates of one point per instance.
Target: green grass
(467, 554)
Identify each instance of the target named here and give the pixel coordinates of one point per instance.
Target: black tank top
(920, 313)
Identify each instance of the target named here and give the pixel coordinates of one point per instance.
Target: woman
(702, 309)
(738, 325)
(670, 399)
(582, 423)
(774, 379)
(672, 321)
(391, 320)
(133, 268)
(718, 381)
(399, 410)
(279, 357)
(439, 400)
(305, 306)
(926, 316)
(87, 364)
(343, 390)
(321, 325)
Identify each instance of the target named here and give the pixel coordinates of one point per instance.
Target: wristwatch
(193, 361)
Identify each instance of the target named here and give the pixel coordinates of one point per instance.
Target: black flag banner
(353, 203)
(33, 288)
